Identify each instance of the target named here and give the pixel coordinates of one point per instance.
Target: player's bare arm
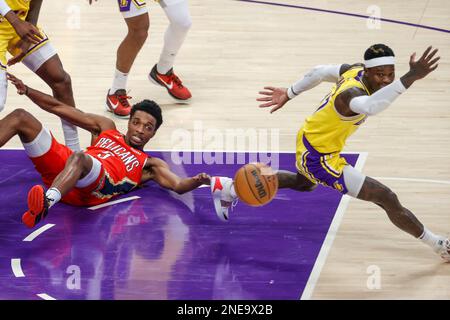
(159, 171)
(33, 13)
(88, 121)
(342, 101)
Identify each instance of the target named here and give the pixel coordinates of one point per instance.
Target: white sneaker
(444, 249)
(221, 193)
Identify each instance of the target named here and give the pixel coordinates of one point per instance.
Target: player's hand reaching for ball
(20, 86)
(202, 178)
(276, 97)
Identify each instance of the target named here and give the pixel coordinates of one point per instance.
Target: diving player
(360, 90)
(114, 164)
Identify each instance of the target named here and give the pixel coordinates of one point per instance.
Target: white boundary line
(413, 180)
(110, 203)
(37, 232)
(17, 268)
(45, 296)
(329, 239)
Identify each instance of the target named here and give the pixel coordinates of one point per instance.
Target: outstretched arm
(88, 121)
(319, 74)
(383, 98)
(162, 175)
(278, 97)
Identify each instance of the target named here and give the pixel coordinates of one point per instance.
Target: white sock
(180, 22)
(119, 81)
(429, 238)
(70, 135)
(53, 195)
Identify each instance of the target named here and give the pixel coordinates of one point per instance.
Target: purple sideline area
(163, 246)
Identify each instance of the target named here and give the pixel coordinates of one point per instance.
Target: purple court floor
(161, 245)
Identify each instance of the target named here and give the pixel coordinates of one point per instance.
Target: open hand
(20, 86)
(426, 64)
(276, 97)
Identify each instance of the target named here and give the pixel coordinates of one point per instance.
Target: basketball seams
(250, 187)
(238, 182)
(265, 180)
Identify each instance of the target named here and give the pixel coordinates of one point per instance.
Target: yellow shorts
(326, 169)
(9, 41)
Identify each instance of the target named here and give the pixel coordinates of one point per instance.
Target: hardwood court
(234, 49)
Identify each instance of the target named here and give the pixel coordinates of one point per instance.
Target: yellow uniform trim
(326, 167)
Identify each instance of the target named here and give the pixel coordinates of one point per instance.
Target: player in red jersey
(114, 164)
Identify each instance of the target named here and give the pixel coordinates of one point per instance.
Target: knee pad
(178, 14)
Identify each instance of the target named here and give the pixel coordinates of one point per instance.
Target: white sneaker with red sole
(222, 196)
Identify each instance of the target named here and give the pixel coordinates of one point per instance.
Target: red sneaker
(37, 206)
(117, 103)
(171, 82)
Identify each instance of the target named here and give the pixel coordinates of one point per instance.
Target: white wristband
(378, 101)
(290, 93)
(4, 8)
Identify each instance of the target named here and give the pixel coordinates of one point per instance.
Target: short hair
(151, 107)
(377, 51)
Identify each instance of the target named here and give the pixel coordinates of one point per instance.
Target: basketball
(256, 184)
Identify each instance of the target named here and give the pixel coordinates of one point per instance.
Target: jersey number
(105, 154)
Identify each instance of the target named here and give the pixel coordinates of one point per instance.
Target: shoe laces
(123, 99)
(176, 80)
(234, 203)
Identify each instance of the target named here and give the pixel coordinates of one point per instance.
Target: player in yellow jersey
(28, 44)
(360, 90)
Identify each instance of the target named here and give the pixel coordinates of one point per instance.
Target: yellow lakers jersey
(20, 7)
(327, 130)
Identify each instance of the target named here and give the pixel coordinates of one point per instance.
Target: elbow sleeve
(379, 101)
(329, 73)
(4, 8)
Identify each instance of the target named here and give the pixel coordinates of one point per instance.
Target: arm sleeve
(378, 101)
(4, 8)
(329, 73)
